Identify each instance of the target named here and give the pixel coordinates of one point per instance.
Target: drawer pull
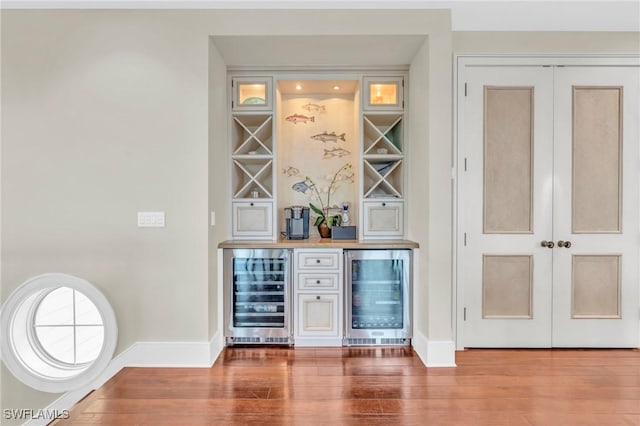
(317, 260)
(317, 281)
(317, 297)
(384, 204)
(251, 204)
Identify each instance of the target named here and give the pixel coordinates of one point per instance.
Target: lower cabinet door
(318, 315)
(252, 220)
(383, 219)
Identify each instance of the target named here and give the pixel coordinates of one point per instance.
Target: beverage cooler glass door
(257, 296)
(378, 294)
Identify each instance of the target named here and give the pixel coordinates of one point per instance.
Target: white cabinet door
(252, 93)
(383, 93)
(252, 220)
(318, 315)
(383, 219)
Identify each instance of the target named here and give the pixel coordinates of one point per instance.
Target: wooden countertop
(320, 243)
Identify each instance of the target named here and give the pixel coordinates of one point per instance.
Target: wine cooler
(378, 285)
(257, 285)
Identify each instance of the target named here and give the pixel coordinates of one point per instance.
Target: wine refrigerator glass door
(378, 299)
(257, 296)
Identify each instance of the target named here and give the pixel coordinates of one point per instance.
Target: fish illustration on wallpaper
(299, 118)
(335, 152)
(313, 107)
(328, 137)
(291, 171)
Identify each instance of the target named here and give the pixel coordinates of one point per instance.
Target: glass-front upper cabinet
(383, 93)
(252, 93)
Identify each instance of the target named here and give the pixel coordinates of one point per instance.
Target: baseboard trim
(434, 353)
(142, 354)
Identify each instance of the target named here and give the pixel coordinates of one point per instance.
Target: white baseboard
(434, 353)
(142, 354)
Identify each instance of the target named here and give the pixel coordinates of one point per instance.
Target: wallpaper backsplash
(317, 136)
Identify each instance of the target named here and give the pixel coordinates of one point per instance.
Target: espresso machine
(297, 222)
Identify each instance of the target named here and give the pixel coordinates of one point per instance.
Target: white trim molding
(434, 353)
(142, 354)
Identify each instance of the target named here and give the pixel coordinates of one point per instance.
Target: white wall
(105, 114)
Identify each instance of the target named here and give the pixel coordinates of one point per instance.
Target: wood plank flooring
(375, 386)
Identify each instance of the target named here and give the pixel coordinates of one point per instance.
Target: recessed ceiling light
(298, 87)
(336, 87)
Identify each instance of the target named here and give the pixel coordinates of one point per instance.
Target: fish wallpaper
(318, 134)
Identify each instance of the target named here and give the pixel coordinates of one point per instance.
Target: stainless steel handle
(565, 244)
(547, 244)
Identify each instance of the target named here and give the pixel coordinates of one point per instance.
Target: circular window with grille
(58, 332)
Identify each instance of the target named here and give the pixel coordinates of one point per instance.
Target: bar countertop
(319, 243)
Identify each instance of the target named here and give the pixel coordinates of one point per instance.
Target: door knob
(565, 244)
(547, 244)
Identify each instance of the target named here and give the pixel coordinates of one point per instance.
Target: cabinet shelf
(252, 133)
(250, 174)
(382, 132)
(382, 178)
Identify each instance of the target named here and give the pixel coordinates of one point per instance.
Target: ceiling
(318, 51)
(317, 87)
(466, 15)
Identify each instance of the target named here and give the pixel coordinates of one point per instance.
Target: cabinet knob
(317, 281)
(317, 297)
(317, 260)
(384, 204)
(251, 204)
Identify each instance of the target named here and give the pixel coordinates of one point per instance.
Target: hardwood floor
(375, 386)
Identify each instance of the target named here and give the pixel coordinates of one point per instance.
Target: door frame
(462, 60)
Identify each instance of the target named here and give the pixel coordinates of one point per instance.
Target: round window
(58, 332)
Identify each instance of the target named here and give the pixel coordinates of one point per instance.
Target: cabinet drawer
(318, 281)
(318, 260)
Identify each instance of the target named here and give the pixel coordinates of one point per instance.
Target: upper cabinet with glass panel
(252, 93)
(383, 93)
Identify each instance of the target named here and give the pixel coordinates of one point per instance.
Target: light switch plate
(150, 219)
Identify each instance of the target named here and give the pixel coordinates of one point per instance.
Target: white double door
(548, 206)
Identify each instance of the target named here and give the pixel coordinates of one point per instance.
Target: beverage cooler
(378, 299)
(257, 286)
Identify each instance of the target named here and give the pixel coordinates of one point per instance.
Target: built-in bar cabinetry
(252, 158)
(318, 297)
(266, 113)
(383, 154)
(318, 302)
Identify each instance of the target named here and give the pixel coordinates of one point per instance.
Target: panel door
(595, 280)
(581, 282)
(318, 315)
(507, 141)
(252, 219)
(383, 219)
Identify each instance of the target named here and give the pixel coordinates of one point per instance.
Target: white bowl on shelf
(382, 151)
